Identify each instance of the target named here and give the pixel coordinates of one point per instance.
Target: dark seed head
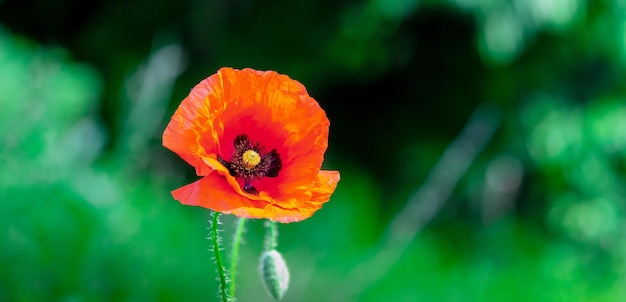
(251, 162)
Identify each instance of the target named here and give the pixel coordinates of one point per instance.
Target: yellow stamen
(250, 159)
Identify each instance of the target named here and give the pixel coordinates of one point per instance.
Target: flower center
(250, 159)
(251, 162)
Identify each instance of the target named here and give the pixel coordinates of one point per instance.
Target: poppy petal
(214, 193)
(191, 133)
(324, 186)
(211, 191)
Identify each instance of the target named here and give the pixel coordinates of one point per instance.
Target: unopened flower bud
(274, 273)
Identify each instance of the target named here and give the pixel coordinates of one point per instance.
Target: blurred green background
(481, 145)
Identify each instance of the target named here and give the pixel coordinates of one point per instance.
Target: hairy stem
(218, 256)
(234, 256)
(271, 236)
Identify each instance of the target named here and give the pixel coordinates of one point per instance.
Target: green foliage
(74, 229)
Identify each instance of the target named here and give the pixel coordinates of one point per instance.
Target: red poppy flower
(258, 141)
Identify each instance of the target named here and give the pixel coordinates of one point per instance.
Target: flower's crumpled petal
(191, 132)
(321, 190)
(211, 191)
(324, 186)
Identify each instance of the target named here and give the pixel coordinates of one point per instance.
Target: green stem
(218, 256)
(233, 265)
(271, 236)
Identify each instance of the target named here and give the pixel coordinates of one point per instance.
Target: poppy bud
(274, 273)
